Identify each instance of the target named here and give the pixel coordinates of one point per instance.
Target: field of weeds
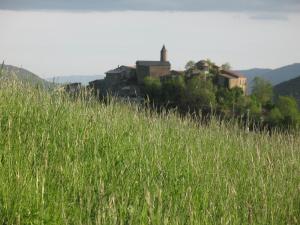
(84, 162)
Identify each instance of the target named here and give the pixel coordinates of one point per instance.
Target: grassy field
(75, 162)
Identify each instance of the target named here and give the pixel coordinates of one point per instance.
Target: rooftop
(152, 63)
(231, 74)
(120, 69)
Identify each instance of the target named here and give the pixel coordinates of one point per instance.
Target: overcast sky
(68, 37)
(157, 5)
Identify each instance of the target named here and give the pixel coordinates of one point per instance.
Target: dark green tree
(153, 88)
(173, 90)
(190, 65)
(226, 66)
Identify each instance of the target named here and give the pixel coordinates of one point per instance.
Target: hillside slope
(15, 73)
(74, 162)
(282, 74)
(290, 88)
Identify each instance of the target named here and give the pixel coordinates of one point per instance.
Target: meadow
(65, 161)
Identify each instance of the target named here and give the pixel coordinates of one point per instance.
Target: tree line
(201, 93)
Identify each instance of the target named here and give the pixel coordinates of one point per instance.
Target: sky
(74, 37)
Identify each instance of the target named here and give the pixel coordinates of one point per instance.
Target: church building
(153, 68)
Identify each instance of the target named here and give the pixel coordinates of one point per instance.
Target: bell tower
(163, 54)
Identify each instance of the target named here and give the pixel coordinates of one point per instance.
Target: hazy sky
(90, 37)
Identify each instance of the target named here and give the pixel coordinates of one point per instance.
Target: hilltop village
(203, 88)
(128, 81)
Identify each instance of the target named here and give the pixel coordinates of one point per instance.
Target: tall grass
(83, 162)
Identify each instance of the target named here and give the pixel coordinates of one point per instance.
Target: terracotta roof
(231, 74)
(152, 63)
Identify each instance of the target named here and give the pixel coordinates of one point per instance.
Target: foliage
(226, 66)
(255, 110)
(275, 117)
(262, 90)
(289, 88)
(190, 65)
(230, 101)
(289, 110)
(153, 87)
(173, 90)
(199, 94)
(84, 162)
(1, 69)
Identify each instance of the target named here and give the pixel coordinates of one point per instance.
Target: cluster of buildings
(126, 81)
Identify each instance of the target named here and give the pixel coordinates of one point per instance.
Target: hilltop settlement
(128, 81)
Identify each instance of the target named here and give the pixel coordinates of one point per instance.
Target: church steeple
(163, 54)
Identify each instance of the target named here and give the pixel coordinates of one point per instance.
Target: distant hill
(275, 76)
(15, 73)
(75, 79)
(283, 73)
(290, 88)
(251, 73)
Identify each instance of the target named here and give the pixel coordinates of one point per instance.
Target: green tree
(231, 101)
(262, 90)
(289, 110)
(275, 117)
(190, 65)
(226, 66)
(153, 88)
(173, 90)
(255, 109)
(199, 94)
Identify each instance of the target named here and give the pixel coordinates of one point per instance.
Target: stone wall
(240, 82)
(153, 71)
(142, 72)
(159, 71)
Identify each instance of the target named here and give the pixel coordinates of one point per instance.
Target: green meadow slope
(74, 162)
(13, 73)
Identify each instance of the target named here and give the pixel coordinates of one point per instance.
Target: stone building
(225, 78)
(120, 82)
(153, 68)
(126, 81)
(230, 79)
(120, 73)
(73, 88)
